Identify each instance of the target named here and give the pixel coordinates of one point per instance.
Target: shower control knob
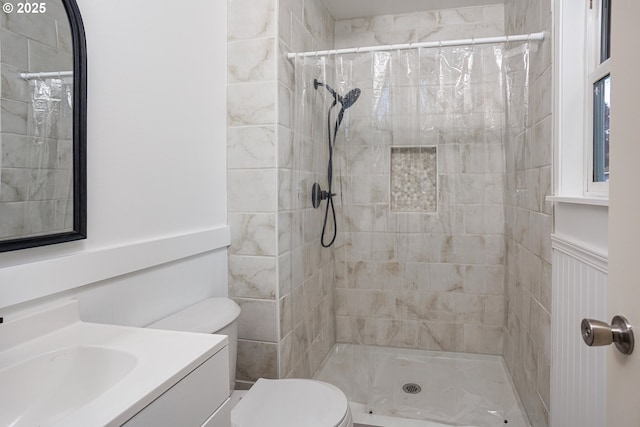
(597, 333)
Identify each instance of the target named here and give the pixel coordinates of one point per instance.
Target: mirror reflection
(37, 194)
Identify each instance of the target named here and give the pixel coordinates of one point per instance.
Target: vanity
(56, 370)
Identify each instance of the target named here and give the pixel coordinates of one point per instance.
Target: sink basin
(36, 396)
(58, 371)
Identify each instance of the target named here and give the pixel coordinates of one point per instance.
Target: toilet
(269, 403)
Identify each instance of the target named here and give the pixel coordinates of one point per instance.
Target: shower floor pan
(455, 389)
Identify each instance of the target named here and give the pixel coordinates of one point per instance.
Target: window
(599, 89)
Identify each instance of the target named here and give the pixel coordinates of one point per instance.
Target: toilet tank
(211, 316)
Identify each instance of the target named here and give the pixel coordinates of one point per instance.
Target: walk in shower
(420, 172)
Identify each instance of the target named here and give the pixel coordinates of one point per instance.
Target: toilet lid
(291, 403)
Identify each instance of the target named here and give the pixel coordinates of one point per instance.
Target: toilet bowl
(269, 403)
(292, 403)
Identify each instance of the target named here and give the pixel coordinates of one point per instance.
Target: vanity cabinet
(200, 399)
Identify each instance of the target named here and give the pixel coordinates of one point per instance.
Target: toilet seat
(292, 403)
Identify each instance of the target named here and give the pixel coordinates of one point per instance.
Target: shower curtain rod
(443, 43)
(30, 76)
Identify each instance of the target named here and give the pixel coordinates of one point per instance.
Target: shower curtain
(50, 133)
(423, 167)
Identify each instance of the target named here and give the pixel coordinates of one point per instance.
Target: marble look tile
(13, 117)
(486, 339)
(251, 60)
(14, 49)
(285, 100)
(248, 19)
(251, 104)
(45, 58)
(48, 185)
(251, 147)
(252, 277)
(440, 336)
(313, 18)
(41, 218)
(396, 333)
(301, 40)
(258, 320)
(360, 302)
(12, 219)
(37, 27)
(484, 279)
(253, 234)
(15, 151)
(256, 360)
(13, 86)
(15, 185)
(260, 196)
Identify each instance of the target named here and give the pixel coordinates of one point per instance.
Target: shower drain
(411, 388)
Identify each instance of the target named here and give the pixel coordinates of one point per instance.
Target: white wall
(156, 168)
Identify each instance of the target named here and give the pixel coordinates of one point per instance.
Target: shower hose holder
(318, 195)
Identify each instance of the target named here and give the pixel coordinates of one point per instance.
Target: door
(623, 372)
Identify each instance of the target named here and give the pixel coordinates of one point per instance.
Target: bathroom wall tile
(251, 147)
(38, 27)
(286, 314)
(13, 86)
(258, 197)
(41, 217)
(13, 117)
(15, 151)
(284, 22)
(258, 320)
(251, 60)
(487, 339)
(301, 41)
(494, 310)
(285, 97)
(256, 360)
(14, 185)
(253, 234)
(45, 58)
(484, 219)
(252, 277)
(364, 302)
(13, 215)
(313, 18)
(396, 333)
(248, 19)
(484, 279)
(285, 147)
(250, 104)
(356, 330)
(440, 336)
(14, 49)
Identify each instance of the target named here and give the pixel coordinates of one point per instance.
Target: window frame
(596, 70)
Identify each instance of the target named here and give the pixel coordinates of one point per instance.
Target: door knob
(596, 333)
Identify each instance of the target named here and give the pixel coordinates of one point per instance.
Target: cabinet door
(191, 401)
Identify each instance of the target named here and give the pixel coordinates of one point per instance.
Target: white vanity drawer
(192, 400)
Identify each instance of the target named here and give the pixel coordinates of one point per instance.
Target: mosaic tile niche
(414, 174)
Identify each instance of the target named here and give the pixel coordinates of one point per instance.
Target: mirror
(42, 124)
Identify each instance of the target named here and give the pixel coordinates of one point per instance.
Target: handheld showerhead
(350, 98)
(347, 101)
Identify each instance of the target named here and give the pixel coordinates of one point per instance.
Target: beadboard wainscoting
(578, 373)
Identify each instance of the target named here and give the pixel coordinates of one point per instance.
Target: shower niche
(43, 126)
(413, 186)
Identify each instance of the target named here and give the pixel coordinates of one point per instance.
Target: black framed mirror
(43, 192)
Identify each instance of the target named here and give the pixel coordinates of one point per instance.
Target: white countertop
(162, 358)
